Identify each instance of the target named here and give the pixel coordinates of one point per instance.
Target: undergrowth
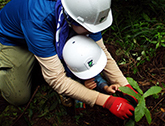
(138, 30)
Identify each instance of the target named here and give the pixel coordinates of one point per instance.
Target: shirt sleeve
(99, 80)
(95, 36)
(101, 83)
(54, 74)
(39, 37)
(111, 71)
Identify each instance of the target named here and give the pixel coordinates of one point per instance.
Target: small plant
(138, 33)
(140, 109)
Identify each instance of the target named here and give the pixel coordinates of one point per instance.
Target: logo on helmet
(102, 19)
(90, 63)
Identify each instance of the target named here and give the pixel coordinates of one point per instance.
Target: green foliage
(3, 3)
(46, 103)
(134, 84)
(140, 109)
(7, 115)
(139, 29)
(153, 90)
(130, 123)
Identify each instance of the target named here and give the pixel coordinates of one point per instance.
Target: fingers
(91, 84)
(119, 107)
(113, 88)
(116, 87)
(125, 116)
(129, 112)
(122, 118)
(132, 108)
(109, 90)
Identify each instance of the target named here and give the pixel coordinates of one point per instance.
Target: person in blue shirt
(35, 31)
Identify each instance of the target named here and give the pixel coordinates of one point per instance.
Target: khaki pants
(16, 64)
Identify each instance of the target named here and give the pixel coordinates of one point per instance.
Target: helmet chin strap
(76, 27)
(66, 16)
(68, 19)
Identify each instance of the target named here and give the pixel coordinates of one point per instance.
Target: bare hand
(90, 83)
(112, 88)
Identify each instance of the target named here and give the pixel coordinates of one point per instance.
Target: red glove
(119, 107)
(128, 85)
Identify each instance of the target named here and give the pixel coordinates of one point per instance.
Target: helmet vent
(80, 19)
(73, 42)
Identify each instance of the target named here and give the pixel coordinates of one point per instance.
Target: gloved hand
(131, 98)
(119, 107)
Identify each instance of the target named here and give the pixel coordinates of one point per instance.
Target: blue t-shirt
(31, 23)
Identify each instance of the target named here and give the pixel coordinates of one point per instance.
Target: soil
(150, 74)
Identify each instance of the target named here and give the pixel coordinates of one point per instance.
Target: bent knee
(17, 98)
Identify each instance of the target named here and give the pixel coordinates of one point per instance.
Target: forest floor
(45, 108)
(41, 112)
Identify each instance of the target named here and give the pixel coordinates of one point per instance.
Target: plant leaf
(30, 113)
(162, 44)
(53, 106)
(130, 123)
(148, 116)
(152, 90)
(129, 91)
(134, 84)
(157, 45)
(146, 17)
(44, 113)
(140, 109)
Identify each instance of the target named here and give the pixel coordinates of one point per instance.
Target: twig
(26, 105)
(162, 120)
(157, 104)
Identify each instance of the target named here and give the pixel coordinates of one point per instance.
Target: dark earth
(150, 74)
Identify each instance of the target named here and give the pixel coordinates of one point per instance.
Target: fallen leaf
(162, 109)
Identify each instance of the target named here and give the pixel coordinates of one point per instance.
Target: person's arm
(54, 74)
(111, 71)
(101, 99)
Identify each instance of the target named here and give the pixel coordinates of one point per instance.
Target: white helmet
(84, 57)
(94, 15)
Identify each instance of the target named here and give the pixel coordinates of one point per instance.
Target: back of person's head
(84, 57)
(94, 15)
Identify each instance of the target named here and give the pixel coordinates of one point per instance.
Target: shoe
(66, 101)
(3, 104)
(69, 104)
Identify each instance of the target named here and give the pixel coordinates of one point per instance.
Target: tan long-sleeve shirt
(111, 71)
(54, 74)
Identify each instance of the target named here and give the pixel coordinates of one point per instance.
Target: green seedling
(141, 109)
